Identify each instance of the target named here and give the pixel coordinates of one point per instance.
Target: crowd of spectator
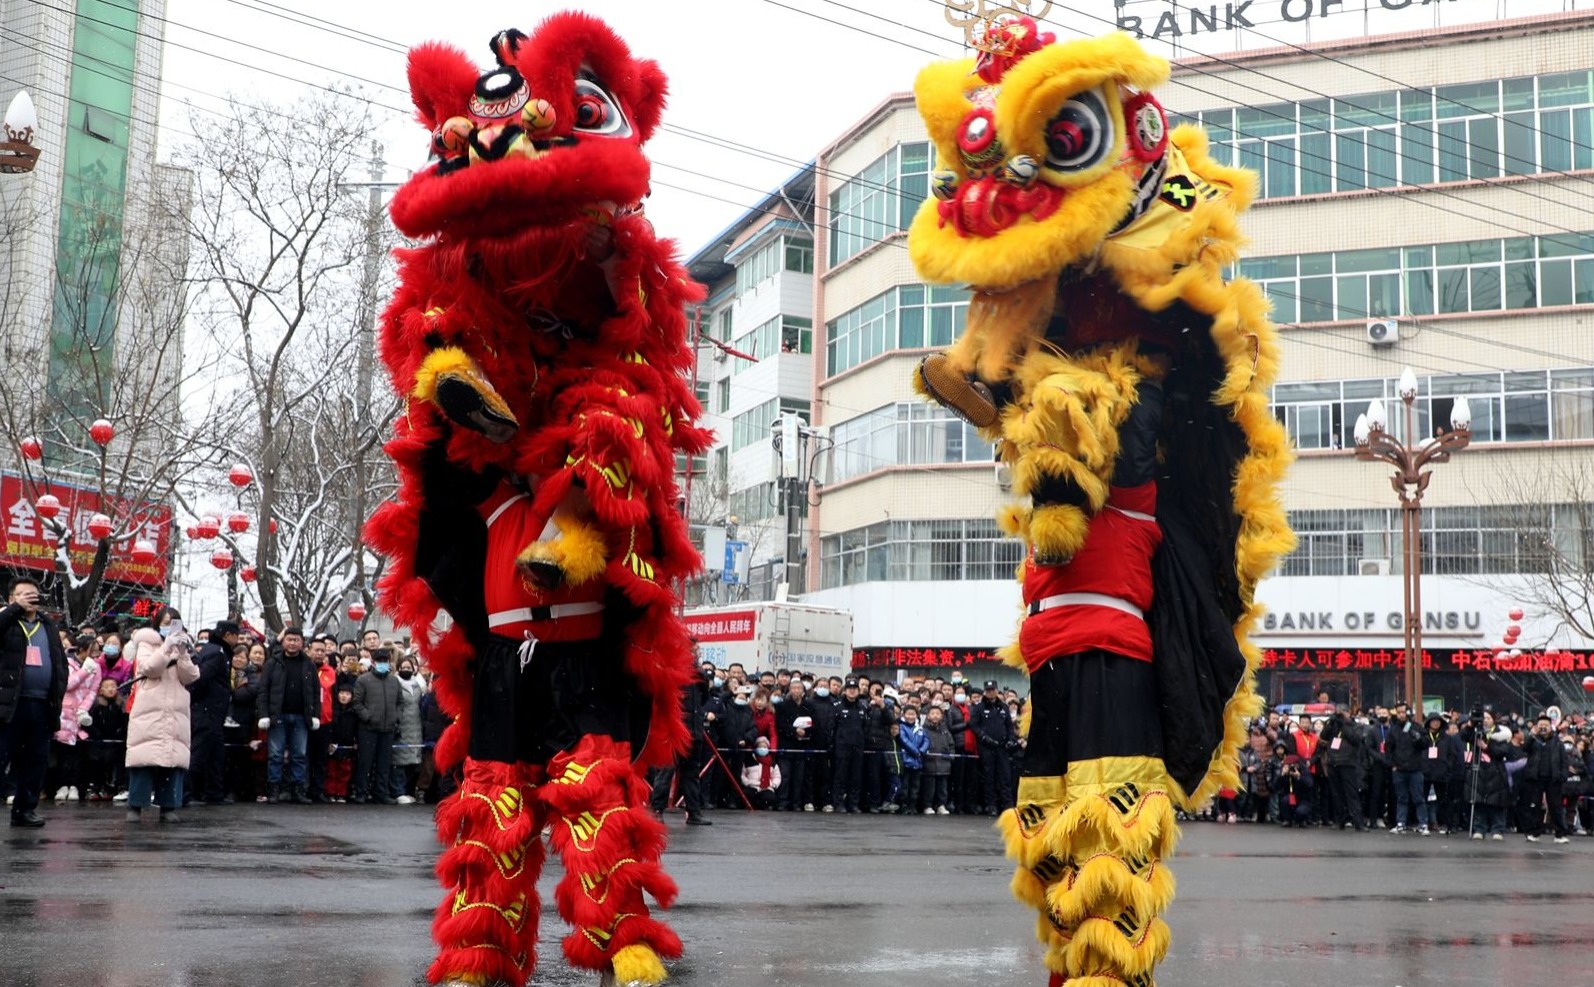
(232, 715)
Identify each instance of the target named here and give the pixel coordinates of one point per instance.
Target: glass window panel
(1252, 156)
(1262, 268)
(1272, 120)
(1317, 264)
(1484, 135)
(1352, 298)
(1527, 418)
(1452, 152)
(1485, 289)
(1517, 94)
(1417, 154)
(1382, 170)
(1316, 167)
(940, 326)
(1566, 244)
(1453, 290)
(1383, 295)
(1583, 138)
(1282, 295)
(1219, 123)
(1350, 168)
(1420, 292)
(1307, 391)
(1317, 299)
(1555, 282)
(1416, 104)
(911, 294)
(1524, 380)
(1518, 248)
(1468, 99)
(1280, 168)
(1521, 285)
(1565, 89)
(1419, 256)
(1315, 115)
(1520, 137)
(1378, 259)
(1555, 140)
(910, 326)
(1583, 282)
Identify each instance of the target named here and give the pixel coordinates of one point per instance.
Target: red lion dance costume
(539, 335)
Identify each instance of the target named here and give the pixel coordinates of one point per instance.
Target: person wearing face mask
(761, 777)
(407, 747)
(113, 662)
(821, 761)
(965, 779)
(376, 704)
(1543, 780)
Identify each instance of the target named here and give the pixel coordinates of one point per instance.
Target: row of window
(900, 551)
(754, 424)
(1511, 406)
(1475, 276)
(780, 254)
(755, 503)
(879, 201)
(907, 432)
(905, 317)
(1523, 538)
(1519, 126)
(782, 334)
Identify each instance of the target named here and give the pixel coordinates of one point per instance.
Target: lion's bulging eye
(596, 113)
(1080, 135)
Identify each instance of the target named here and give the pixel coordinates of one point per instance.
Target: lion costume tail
(1092, 850)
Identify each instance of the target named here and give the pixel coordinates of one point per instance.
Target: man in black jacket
(288, 702)
(852, 736)
(1543, 779)
(993, 729)
(821, 764)
(1408, 747)
(794, 728)
(1343, 760)
(33, 671)
(376, 703)
(209, 697)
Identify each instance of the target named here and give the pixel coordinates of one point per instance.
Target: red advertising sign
(734, 625)
(920, 657)
(1381, 659)
(30, 545)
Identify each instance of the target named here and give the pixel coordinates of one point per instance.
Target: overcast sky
(779, 77)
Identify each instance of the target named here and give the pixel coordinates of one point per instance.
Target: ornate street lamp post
(1411, 458)
(17, 153)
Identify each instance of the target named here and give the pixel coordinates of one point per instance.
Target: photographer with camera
(1544, 779)
(1294, 785)
(1486, 748)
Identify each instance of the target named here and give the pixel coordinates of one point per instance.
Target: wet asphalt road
(280, 896)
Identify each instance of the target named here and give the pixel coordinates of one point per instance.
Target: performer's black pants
(566, 691)
(1090, 705)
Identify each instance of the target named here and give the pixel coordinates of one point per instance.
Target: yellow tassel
(579, 550)
(638, 964)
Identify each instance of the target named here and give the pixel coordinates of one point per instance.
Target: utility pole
(793, 440)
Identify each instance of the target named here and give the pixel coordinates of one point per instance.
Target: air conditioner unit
(1004, 477)
(1383, 332)
(720, 356)
(1372, 567)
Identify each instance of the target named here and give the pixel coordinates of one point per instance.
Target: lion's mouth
(498, 142)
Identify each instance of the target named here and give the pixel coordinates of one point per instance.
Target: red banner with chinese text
(736, 625)
(29, 545)
(1459, 660)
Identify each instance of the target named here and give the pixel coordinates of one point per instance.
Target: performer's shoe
(637, 965)
(969, 399)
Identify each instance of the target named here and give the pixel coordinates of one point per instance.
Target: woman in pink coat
(82, 684)
(158, 723)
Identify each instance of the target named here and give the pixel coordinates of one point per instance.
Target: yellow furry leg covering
(1091, 850)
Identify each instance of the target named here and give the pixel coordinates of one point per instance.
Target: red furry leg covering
(486, 925)
(610, 844)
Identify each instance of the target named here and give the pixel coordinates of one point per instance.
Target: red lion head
(551, 133)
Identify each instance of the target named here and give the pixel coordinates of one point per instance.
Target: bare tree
(105, 342)
(279, 245)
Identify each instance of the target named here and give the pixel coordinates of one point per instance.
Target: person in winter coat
(938, 756)
(794, 731)
(852, 736)
(913, 741)
(1486, 749)
(288, 704)
(407, 744)
(760, 776)
(82, 686)
(734, 735)
(431, 786)
(106, 743)
(992, 726)
(1544, 780)
(822, 763)
(113, 660)
(238, 729)
(1344, 747)
(158, 724)
(880, 767)
(33, 674)
(1408, 746)
(376, 703)
(211, 697)
(343, 738)
(1295, 786)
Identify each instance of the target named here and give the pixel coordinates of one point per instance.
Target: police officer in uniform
(852, 735)
(993, 729)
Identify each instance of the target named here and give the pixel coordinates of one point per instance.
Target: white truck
(772, 636)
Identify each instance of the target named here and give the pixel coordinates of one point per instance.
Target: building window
(1514, 406)
(751, 426)
(900, 434)
(1477, 130)
(701, 388)
(723, 400)
(725, 321)
(800, 256)
(782, 334)
(755, 503)
(903, 551)
(1475, 276)
(1490, 540)
(762, 265)
(878, 201)
(905, 317)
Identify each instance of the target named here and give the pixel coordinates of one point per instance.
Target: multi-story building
(1427, 200)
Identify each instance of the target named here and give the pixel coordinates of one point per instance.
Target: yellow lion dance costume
(1126, 383)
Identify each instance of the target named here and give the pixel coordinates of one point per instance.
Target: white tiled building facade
(1442, 180)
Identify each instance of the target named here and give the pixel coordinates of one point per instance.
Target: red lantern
(1513, 631)
(240, 475)
(209, 527)
(32, 448)
(143, 552)
(247, 573)
(238, 523)
(221, 558)
(1588, 683)
(356, 611)
(48, 506)
(1509, 639)
(192, 532)
(102, 432)
(100, 526)
(272, 526)
(1515, 614)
